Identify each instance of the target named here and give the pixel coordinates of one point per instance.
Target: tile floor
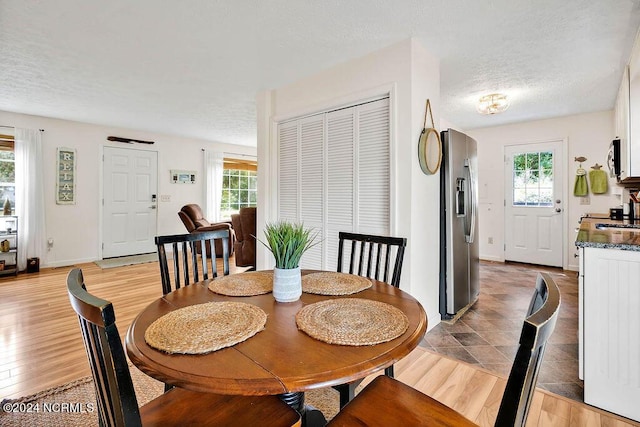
(487, 334)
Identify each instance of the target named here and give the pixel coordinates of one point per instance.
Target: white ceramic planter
(287, 284)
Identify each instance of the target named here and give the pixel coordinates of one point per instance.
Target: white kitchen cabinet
(610, 304)
(634, 117)
(621, 114)
(581, 315)
(627, 119)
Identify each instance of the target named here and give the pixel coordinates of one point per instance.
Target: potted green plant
(287, 242)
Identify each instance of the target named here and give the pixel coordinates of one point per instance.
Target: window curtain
(29, 195)
(213, 166)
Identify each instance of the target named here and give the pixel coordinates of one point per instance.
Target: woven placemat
(331, 283)
(243, 284)
(203, 328)
(352, 321)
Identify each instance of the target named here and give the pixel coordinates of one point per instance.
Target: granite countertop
(589, 236)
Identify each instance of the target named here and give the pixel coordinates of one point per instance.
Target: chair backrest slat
(353, 255)
(370, 260)
(379, 248)
(193, 255)
(205, 268)
(115, 396)
(176, 264)
(368, 247)
(397, 268)
(164, 267)
(538, 326)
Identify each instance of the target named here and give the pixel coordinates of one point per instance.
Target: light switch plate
(165, 197)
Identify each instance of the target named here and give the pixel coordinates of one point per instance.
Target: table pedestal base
(311, 416)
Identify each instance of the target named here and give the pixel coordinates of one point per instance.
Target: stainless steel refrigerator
(459, 250)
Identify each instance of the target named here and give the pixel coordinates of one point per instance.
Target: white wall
(587, 135)
(411, 75)
(76, 229)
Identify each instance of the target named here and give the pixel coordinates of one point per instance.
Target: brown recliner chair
(244, 225)
(193, 219)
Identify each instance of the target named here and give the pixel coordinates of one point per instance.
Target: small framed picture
(183, 177)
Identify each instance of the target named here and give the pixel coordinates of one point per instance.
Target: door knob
(152, 207)
(558, 210)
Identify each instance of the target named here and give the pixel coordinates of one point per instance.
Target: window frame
(7, 144)
(244, 197)
(532, 179)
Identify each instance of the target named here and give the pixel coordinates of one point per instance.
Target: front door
(533, 203)
(130, 186)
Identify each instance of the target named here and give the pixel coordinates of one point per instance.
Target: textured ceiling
(194, 67)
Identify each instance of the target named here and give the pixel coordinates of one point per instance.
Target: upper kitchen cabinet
(622, 125)
(628, 120)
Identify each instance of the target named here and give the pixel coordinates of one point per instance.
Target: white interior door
(130, 186)
(533, 203)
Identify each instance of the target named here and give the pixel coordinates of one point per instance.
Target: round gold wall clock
(429, 146)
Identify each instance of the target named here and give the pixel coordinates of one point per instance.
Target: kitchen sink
(620, 227)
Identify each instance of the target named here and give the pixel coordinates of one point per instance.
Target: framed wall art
(66, 176)
(183, 177)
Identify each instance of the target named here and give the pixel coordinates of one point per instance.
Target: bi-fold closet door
(334, 175)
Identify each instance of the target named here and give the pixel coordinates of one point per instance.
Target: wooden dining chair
(375, 257)
(371, 256)
(386, 401)
(192, 259)
(116, 399)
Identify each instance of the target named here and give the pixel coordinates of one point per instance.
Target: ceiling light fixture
(493, 104)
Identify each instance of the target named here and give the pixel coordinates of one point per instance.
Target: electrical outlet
(165, 197)
(585, 200)
(490, 240)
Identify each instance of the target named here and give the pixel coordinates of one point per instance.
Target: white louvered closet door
(288, 171)
(374, 164)
(341, 183)
(334, 175)
(312, 185)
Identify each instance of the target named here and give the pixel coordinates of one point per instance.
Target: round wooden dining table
(279, 359)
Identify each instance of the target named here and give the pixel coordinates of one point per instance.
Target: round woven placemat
(243, 284)
(330, 283)
(203, 328)
(352, 321)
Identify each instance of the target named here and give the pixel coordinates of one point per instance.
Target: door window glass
(533, 179)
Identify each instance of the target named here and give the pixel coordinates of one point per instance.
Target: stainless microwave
(613, 159)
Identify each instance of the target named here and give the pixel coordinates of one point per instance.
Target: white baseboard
(433, 320)
(67, 263)
(491, 258)
(573, 267)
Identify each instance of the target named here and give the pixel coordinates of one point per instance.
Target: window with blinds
(334, 175)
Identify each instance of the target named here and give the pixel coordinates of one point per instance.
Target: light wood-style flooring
(41, 347)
